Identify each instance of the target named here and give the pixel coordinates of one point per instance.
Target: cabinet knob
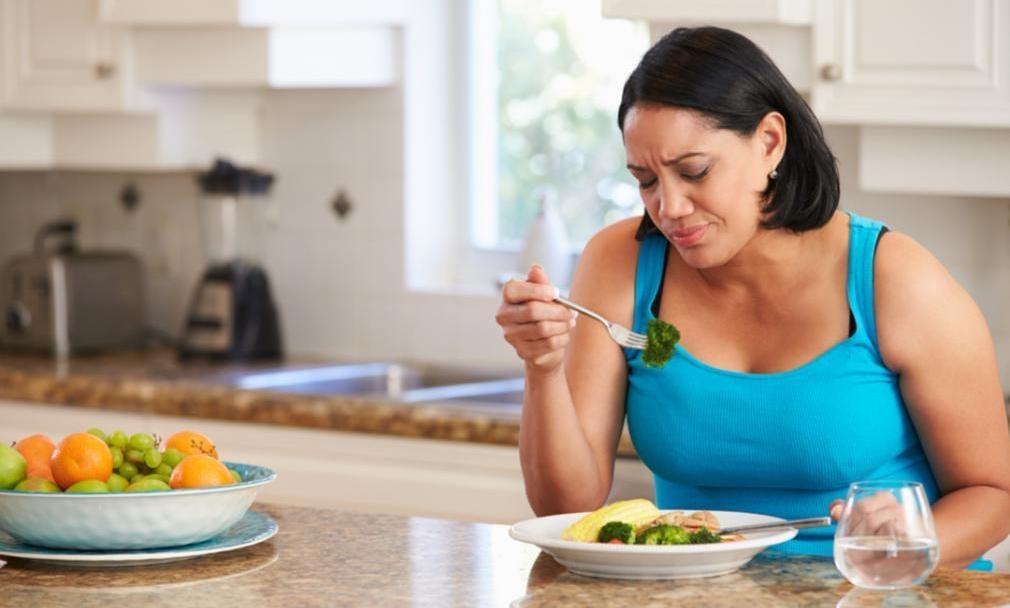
(104, 71)
(831, 72)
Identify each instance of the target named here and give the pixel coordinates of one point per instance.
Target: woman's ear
(771, 136)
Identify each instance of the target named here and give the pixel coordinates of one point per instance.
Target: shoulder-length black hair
(729, 80)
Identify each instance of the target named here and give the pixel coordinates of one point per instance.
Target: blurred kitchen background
(440, 126)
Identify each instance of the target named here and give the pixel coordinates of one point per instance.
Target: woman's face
(701, 186)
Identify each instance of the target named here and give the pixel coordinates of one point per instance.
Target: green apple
(13, 467)
(116, 483)
(37, 484)
(88, 486)
(148, 485)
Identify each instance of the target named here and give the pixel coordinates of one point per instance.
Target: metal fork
(621, 334)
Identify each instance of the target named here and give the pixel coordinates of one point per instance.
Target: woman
(817, 348)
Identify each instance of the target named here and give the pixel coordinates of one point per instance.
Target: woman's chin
(700, 258)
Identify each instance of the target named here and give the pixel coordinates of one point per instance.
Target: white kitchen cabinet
(360, 472)
(788, 12)
(55, 55)
(912, 62)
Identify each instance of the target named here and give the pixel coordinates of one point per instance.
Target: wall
(340, 283)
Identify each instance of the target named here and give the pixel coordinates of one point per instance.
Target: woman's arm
(573, 410)
(932, 333)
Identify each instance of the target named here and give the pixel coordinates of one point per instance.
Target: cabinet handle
(831, 72)
(104, 71)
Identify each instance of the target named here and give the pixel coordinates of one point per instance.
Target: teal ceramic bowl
(130, 520)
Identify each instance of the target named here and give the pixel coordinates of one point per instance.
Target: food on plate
(637, 512)
(639, 522)
(663, 534)
(617, 532)
(97, 462)
(661, 339)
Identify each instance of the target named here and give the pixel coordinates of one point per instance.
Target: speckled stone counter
(155, 382)
(337, 558)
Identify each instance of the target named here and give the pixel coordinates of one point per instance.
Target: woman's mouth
(687, 237)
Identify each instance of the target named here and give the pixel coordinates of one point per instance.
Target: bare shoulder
(919, 306)
(605, 276)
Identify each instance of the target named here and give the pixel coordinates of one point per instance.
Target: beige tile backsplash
(340, 283)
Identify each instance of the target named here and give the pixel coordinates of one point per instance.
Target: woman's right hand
(537, 327)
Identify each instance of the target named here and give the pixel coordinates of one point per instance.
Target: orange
(38, 452)
(199, 471)
(191, 442)
(80, 457)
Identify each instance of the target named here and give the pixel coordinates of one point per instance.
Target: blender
(232, 315)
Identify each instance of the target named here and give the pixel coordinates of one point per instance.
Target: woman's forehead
(674, 130)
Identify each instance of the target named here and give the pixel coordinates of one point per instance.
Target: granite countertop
(339, 558)
(156, 382)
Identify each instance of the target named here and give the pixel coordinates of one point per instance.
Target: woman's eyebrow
(668, 162)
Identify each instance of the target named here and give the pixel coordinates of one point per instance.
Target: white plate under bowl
(252, 529)
(130, 520)
(604, 560)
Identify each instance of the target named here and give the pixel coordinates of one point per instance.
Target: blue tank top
(783, 444)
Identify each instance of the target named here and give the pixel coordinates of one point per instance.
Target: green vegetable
(664, 534)
(617, 530)
(703, 535)
(661, 338)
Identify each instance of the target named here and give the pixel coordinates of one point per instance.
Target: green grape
(128, 470)
(141, 441)
(97, 433)
(163, 478)
(163, 469)
(152, 458)
(234, 473)
(116, 483)
(119, 439)
(136, 478)
(135, 456)
(117, 457)
(172, 457)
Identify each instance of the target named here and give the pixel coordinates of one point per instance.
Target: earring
(774, 174)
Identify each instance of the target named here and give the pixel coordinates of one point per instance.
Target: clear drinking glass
(885, 538)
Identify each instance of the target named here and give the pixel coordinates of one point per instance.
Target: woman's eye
(647, 184)
(693, 177)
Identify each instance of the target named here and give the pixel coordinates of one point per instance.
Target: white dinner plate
(253, 528)
(649, 561)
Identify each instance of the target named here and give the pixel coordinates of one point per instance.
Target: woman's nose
(674, 204)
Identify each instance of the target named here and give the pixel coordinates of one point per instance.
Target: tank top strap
(648, 276)
(863, 236)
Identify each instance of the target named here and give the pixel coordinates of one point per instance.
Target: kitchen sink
(403, 382)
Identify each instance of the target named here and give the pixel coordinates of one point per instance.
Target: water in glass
(885, 538)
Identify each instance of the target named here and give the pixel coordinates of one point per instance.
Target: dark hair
(729, 80)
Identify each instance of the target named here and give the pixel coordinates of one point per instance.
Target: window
(550, 72)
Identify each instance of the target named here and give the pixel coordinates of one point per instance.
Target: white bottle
(547, 242)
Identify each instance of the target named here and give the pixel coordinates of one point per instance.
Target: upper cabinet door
(57, 56)
(949, 64)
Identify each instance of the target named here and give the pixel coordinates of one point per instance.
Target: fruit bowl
(130, 520)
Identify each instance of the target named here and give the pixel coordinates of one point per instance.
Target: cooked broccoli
(663, 534)
(617, 530)
(661, 338)
(703, 535)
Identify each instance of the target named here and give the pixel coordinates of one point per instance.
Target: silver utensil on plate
(810, 522)
(622, 335)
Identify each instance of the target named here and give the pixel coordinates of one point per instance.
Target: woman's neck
(771, 266)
